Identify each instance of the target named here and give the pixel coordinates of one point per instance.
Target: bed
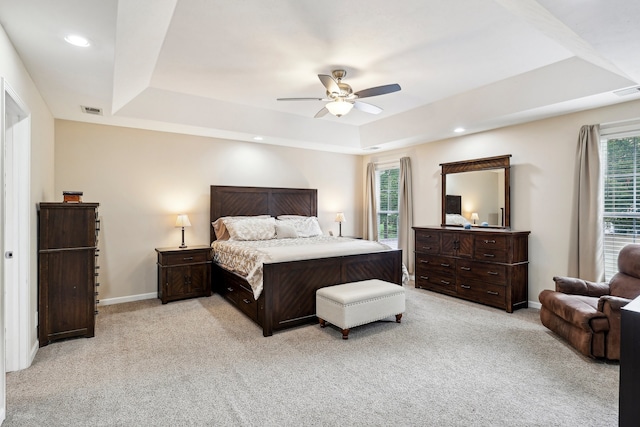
(287, 297)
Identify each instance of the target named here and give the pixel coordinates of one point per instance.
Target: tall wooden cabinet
(489, 266)
(68, 270)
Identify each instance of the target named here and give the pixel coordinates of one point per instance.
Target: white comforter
(247, 257)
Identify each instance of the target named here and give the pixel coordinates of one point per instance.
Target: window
(387, 181)
(621, 170)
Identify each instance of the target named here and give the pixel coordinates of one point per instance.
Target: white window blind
(387, 181)
(621, 172)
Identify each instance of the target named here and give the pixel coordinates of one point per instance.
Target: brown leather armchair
(587, 314)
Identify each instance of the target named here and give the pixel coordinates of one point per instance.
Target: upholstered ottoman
(357, 303)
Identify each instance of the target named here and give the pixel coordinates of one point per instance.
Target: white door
(17, 324)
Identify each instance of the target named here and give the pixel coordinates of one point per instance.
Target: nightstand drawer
(184, 258)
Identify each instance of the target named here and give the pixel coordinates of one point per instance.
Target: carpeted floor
(201, 362)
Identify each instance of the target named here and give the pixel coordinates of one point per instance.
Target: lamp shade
(340, 217)
(183, 221)
(339, 108)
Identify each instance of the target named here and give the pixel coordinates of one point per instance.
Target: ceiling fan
(341, 98)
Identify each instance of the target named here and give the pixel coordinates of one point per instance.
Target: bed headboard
(233, 201)
(454, 204)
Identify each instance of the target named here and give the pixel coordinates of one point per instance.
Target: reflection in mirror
(476, 192)
(480, 192)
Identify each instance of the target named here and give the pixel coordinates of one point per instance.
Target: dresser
(488, 266)
(67, 270)
(184, 273)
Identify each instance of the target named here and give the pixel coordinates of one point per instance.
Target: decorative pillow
(251, 229)
(221, 230)
(285, 231)
(305, 226)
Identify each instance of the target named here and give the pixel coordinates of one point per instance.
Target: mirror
(476, 192)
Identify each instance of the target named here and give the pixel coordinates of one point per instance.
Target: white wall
(41, 180)
(542, 181)
(143, 179)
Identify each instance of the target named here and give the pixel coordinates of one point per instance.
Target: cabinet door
(68, 292)
(457, 244)
(197, 279)
(177, 280)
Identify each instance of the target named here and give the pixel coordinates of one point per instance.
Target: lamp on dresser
(340, 219)
(475, 217)
(183, 221)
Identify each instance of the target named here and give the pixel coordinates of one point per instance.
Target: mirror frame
(487, 163)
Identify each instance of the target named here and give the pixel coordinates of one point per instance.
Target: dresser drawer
(485, 293)
(486, 272)
(184, 258)
(437, 264)
(492, 248)
(428, 242)
(437, 282)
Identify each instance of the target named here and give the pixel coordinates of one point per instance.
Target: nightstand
(184, 273)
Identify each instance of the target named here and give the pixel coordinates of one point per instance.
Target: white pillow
(456, 219)
(286, 217)
(304, 226)
(251, 228)
(285, 231)
(221, 230)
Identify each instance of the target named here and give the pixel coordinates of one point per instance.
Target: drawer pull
(246, 301)
(424, 261)
(489, 241)
(426, 247)
(424, 277)
(444, 282)
(493, 273)
(465, 268)
(465, 286)
(489, 255)
(444, 265)
(230, 289)
(190, 258)
(492, 293)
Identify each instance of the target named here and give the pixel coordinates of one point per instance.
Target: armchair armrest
(610, 303)
(572, 285)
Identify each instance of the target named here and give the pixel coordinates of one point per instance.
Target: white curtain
(370, 208)
(588, 257)
(405, 214)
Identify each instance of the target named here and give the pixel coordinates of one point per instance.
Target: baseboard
(130, 298)
(535, 305)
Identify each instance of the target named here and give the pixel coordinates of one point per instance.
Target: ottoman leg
(323, 323)
(398, 317)
(345, 334)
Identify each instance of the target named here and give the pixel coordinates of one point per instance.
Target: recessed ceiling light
(258, 138)
(77, 40)
(459, 130)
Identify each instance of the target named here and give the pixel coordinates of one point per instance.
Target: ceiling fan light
(339, 108)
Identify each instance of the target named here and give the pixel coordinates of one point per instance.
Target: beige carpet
(201, 362)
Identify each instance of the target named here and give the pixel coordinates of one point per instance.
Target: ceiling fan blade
(303, 99)
(367, 108)
(321, 113)
(378, 90)
(329, 83)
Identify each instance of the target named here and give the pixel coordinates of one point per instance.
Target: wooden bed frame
(288, 295)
